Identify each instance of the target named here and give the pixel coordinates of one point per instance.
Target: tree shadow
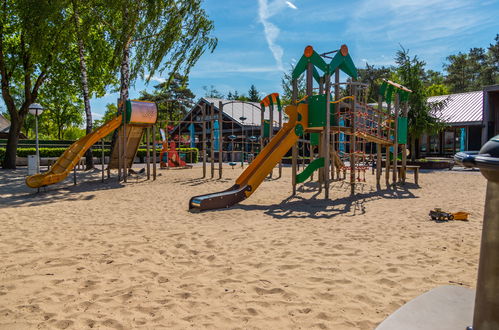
(15, 193)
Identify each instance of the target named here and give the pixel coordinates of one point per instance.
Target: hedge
(191, 154)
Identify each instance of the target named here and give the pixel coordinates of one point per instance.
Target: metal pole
(37, 145)
(404, 146)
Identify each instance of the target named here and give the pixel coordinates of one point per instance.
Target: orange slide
(60, 170)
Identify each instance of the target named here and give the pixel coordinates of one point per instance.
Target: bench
(413, 168)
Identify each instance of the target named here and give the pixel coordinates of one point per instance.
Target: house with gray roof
(472, 119)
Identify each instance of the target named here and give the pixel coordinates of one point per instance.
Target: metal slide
(60, 170)
(256, 172)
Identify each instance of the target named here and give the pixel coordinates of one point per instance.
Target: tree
(212, 92)
(423, 117)
(173, 98)
(473, 70)
(373, 77)
(287, 86)
(253, 94)
(63, 109)
(111, 111)
(32, 38)
(175, 30)
(94, 58)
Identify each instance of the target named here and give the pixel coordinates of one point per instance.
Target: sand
(123, 256)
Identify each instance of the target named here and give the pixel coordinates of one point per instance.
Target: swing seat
(232, 164)
(232, 137)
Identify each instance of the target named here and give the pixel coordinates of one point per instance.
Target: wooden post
(102, 157)
(220, 139)
(262, 130)
(124, 162)
(203, 115)
(379, 146)
(337, 108)
(74, 174)
(294, 149)
(154, 152)
(280, 127)
(352, 141)
(395, 142)
(148, 154)
(327, 138)
(404, 146)
(212, 140)
(271, 130)
(387, 153)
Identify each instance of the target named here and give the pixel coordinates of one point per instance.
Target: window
(434, 144)
(423, 143)
(449, 142)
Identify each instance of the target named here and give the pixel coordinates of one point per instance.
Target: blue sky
(258, 39)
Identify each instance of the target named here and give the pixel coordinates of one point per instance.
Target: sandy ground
(122, 256)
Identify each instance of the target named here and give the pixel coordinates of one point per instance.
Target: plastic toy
(439, 215)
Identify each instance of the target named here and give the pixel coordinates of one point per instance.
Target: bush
(191, 154)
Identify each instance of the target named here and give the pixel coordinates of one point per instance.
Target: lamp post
(36, 109)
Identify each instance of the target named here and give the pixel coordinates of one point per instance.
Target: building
(241, 127)
(472, 118)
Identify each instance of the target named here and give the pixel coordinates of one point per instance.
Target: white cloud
(157, 79)
(291, 5)
(267, 9)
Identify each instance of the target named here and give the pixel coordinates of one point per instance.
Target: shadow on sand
(316, 207)
(15, 193)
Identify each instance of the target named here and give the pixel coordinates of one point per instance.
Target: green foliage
(173, 98)
(191, 154)
(373, 77)
(473, 70)
(253, 94)
(437, 89)
(287, 86)
(212, 92)
(423, 117)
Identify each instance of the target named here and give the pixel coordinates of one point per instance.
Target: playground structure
(169, 156)
(228, 131)
(139, 117)
(340, 130)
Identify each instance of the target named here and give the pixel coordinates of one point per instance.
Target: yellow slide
(259, 168)
(72, 155)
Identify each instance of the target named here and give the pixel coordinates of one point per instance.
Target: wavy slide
(255, 173)
(60, 170)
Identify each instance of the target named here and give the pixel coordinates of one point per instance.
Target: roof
(249, 110)
(4, 124)
(461, 108)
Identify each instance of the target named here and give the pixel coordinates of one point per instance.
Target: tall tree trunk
(124, 85)
(12, 142)
(84, 84)
(413, 148)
